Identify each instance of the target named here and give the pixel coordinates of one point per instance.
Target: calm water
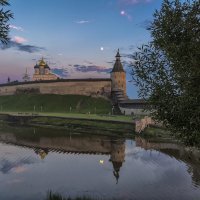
(34, 161)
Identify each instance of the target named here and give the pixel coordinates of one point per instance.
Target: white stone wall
(134, 111)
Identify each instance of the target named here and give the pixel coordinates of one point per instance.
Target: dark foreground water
(34, 161)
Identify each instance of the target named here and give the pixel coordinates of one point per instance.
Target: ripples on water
(34, 161)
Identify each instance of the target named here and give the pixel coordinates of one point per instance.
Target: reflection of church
(42, 72)
(90, 145)
(42, 153)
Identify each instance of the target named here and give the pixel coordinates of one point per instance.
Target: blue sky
(71, 33)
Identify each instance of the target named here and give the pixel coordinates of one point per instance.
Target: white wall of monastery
(134, 111)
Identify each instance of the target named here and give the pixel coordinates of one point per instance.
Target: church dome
(42, 62)
(46, 66)
(36, 66)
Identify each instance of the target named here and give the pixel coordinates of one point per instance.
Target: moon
(101, 48)
(122, 12)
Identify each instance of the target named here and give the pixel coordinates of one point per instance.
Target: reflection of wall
(73, 144)
(190, 156)
(76, 144)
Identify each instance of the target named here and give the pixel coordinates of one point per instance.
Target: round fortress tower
(118, 76)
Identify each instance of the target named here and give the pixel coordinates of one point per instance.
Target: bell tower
(118, 76)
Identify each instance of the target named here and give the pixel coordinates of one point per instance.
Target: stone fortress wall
(88, 87)
(43, 83)
(113, 88)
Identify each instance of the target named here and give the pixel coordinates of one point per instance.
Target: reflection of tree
(56, 196)
(194, 170)
(190, 156)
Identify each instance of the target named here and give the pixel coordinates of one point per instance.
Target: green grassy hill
(54, 103)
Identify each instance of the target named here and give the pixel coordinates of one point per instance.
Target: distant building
(42, 72)
(26, 76)
(113, 88)
(118, 92)
(135, 107)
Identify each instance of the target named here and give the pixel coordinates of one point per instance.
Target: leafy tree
(167, 70)
(5, 16)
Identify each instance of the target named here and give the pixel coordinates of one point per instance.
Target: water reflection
(185, 154)
(33, 161)
(69, 143)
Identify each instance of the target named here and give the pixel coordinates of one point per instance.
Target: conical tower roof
(116, 166)
(118, 67)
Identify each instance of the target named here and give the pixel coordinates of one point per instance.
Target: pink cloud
(19, 40)
(19, 169)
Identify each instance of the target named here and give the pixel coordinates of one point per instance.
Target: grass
(54, 104)
(55, 112)
(86, 116)
(91, 116)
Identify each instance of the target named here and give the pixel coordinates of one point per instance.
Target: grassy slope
(54, 103)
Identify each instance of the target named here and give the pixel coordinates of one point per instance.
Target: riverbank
(93, 117)
(83, 123)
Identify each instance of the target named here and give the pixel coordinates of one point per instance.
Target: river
(34, 161)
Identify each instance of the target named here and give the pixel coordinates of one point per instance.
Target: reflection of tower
(42, 153)
(117, 156)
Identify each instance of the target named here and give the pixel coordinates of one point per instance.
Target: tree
(167, 69)
(5, 16)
